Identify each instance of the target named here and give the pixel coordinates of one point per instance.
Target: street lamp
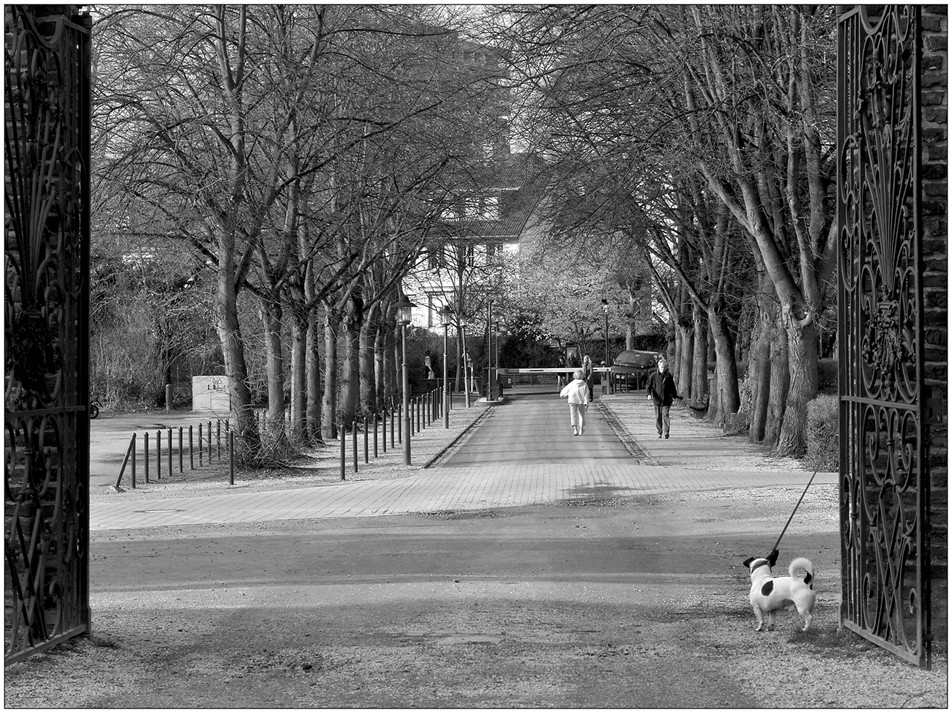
(446, 316)
(404, 315)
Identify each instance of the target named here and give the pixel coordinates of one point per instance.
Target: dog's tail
(802, 563)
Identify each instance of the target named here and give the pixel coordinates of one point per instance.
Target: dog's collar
(763, 563)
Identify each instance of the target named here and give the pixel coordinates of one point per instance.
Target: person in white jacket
(577, 393)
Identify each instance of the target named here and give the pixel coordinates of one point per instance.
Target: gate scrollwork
(884, 480)
(46, 429)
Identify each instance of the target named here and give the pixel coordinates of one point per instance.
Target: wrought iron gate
(46, 372)
(884, 483)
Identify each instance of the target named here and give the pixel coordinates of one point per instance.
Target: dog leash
(795, 509)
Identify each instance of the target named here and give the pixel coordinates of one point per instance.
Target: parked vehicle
(631, 368)
(94, 407)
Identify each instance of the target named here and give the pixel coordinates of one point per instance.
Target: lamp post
(404, 310)
(446, 316)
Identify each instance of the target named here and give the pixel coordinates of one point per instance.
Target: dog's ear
(748, 561)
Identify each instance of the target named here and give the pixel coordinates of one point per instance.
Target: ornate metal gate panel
(46, 372)
(884, 483)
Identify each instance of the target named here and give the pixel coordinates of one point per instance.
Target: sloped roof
(518, 197)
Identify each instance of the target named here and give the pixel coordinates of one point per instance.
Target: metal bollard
(145, 445)
(383, 424)
(375, 435)
(130, 453)
(209, 443)
(366, 441)
(158, 455)
(181, 455)
(191, 450)
(355, 445)
(170, 452)
(231, 458)
(200, 463)
(218, 437)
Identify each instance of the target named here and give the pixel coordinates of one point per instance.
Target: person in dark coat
(588, 373)
(663, 392)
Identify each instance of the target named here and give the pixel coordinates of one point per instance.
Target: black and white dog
(769, 594)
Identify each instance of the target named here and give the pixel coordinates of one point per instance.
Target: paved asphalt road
(534, 427)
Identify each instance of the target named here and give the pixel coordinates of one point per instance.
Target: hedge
(823, 434)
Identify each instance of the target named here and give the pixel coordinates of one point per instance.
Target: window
(490, 208)
(435, 258)
(471, 207)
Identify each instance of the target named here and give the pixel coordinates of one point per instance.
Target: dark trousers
(663, 419)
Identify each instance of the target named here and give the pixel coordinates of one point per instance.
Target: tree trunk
(298, 424)
(801, 342)
(271, 314)
(779, 384)
(380, 364)
(678, 351)
(368, 384)
(350, 367)
(758, 352)
(329, 402)
(684, 336)
(396, 380)
(458, 376)
(699, 385)
(314, 395)
(630, 324)
(758, 377)
(726, 397)
(233, 351)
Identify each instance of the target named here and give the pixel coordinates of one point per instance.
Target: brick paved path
(519, 455)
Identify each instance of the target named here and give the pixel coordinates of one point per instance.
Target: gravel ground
(316, 466)
(623, 603)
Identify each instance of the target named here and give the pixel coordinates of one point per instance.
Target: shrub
(823, 434)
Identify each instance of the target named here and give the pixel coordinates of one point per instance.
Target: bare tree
(739, 96)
